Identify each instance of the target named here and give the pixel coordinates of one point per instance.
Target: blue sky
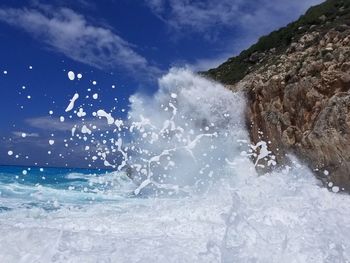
(126, 43)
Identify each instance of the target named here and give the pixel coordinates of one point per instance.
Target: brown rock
(302, 105)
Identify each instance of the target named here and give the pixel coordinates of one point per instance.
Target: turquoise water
(50, 188)
(53, 177)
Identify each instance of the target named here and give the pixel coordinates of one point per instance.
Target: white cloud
(201, 16)
(156, 5)
(71, 34)
(27, 135)
(208, 63)
(50, 124)
(232, 24)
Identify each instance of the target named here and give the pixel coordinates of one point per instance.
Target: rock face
(299, 97)
(302, 104)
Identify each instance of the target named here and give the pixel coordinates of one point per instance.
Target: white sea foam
(182, 135)
(188, 144)
(104, 114)
(72, 102)
(71, 75)
(248, 218)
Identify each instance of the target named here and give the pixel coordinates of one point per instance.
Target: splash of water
(179, 140)
(185, 133)
(189, 137)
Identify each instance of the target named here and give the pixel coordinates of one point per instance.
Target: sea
(185, 189)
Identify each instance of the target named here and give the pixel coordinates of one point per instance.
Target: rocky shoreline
(299, 96)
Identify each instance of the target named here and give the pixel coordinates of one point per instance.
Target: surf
(184, 189)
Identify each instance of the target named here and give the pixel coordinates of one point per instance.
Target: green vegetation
(331, 13)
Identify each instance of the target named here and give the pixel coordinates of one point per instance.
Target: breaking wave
(187, 144)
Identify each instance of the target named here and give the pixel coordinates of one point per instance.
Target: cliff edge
(297, 81)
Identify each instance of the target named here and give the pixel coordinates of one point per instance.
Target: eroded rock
(301, 104)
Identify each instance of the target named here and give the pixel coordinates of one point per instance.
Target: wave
(187, 144)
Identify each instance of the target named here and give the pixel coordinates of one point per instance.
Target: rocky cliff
(297, 82)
